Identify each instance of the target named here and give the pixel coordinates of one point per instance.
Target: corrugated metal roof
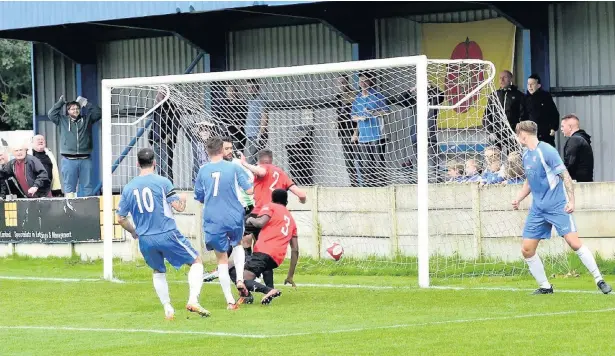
(596, 117)
(54, 75)
(25, 14)
(397, 37)
(287, 46)
(582, 43)
(457, 16)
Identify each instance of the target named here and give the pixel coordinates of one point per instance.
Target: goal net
(409, 164)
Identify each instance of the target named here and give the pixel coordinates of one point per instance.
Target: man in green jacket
(76, 142)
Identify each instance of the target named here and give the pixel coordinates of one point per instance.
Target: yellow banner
(490, 40)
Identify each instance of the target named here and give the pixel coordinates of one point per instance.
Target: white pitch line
(338, 331)
(50, 279)
(146, 331)
(457, 321)
(314, 285)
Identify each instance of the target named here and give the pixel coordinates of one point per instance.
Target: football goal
(391, 152)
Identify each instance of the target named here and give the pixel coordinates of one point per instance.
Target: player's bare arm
(256, 170)
(569, 187)
(127, 225)
(357, 118)
(259, 222)
(299, 193)
(180, 205)
(523, 193)
(294, 258)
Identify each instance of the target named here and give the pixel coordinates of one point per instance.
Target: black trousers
(372, 163)
(350, 151)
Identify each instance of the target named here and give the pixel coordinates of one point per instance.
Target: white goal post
(477, 80)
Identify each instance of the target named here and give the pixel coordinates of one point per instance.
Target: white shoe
(169, 312)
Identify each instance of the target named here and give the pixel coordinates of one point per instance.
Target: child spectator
(455, 172)
(514, 169)
(472, 172)
(493, 160)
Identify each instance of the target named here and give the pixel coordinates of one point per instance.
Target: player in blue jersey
(149, 198)
(223, 215)
(552, 206)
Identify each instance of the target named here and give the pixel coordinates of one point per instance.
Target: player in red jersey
(267, 178)
(278, 230)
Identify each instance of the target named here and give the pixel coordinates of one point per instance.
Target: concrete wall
(464, 221)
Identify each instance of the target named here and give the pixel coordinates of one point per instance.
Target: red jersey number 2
(284, 229)
(276, 177)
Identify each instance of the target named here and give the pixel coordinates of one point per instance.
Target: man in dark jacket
(76, 142)
(542, 110)
(511, 99)
(27, 174)
(578, 153)
(163, 134)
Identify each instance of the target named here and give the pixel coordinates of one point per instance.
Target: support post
(394, 228)
(476, 216)
(422, 170)
(107, 184)
(316, 230)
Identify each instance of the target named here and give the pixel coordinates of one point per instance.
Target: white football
(336, 251)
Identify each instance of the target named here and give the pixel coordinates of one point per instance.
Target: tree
(15, 86)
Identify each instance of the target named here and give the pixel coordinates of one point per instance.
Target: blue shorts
(171, 245)
(223, 241)
(540, 222)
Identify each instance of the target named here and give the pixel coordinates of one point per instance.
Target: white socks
(537, 269)
(225, 282)
(589, 261)
(162, 288)
(239, 258)
(195, 281)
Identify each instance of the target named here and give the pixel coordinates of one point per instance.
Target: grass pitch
(325, 315)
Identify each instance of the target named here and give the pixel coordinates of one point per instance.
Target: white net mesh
(350, 138)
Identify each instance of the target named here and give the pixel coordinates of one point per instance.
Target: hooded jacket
(75, 135)
(579, 157)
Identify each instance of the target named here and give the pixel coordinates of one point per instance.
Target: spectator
(578, 153)
(256, 122)
(28, 173)
(4, 183)
(39, 150)
(346, 128)
(435, 97)
(232, 112)
(493, 159)
(76, 137)
(542, 110)
(367, 109)
(455, 172)
(163, 134)
(472, 172)
(514, 169)
(513, 102)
